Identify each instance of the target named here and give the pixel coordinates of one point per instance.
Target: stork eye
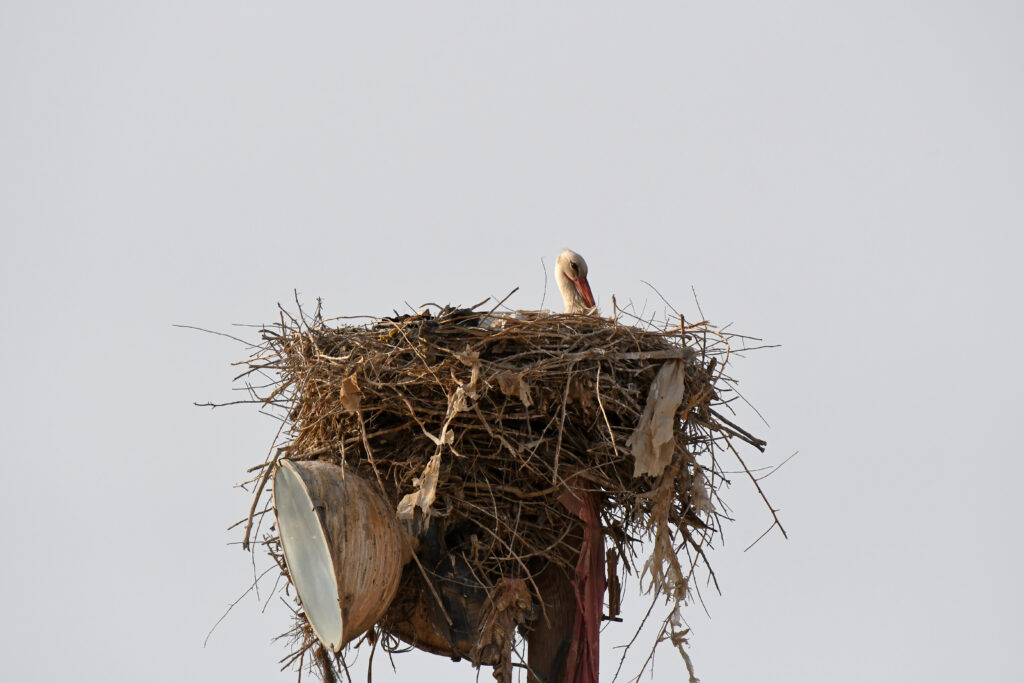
(575, 268)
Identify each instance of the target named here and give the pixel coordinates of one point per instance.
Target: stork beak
(583, 289)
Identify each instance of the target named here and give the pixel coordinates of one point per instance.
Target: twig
(507, 296)
(778, 467)
(757, 443)
(561, 427)
(760, 492)
(232, 605)
(219, 334)
(600, 403)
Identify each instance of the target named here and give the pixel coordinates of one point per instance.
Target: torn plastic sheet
(423, 496)
(653, 440)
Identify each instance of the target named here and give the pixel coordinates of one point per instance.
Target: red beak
(583, 289)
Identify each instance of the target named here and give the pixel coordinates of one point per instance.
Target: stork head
(571, 275)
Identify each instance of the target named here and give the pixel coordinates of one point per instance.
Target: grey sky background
(841, 179)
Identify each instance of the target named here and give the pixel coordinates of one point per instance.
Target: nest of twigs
(511, 409)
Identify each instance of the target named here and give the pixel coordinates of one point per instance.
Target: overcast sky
(843, 179)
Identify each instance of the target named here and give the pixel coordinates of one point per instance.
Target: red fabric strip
(584, 656)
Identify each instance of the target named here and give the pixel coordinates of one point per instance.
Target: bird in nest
(571, 275)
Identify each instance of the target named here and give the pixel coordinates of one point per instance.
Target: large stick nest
(507, 411)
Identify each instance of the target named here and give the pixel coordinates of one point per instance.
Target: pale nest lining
(473, 426)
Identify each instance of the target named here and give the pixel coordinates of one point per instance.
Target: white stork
(571, 275)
